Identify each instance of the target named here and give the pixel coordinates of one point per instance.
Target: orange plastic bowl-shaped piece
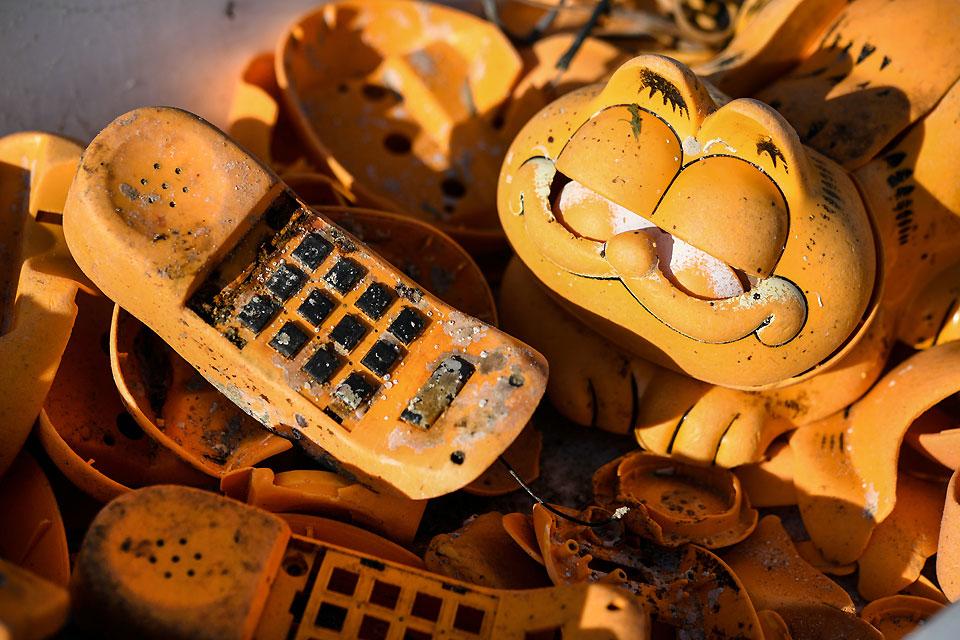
(898, 616)
(178, 408)
(401, 100)
(675, 503)
(702, 237)
(85, 428)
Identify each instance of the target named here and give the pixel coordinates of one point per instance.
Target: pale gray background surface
(72, 66)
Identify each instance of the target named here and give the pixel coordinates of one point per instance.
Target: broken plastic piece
(31, 608)
(326, 493)
(196, 262)
(156, 565)
(897, 616)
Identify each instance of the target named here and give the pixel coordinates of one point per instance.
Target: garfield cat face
(701, 236)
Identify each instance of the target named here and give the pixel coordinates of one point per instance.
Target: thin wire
(602, 7)
(602, 523)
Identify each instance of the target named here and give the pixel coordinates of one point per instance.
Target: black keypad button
(323, 364)
(286, 281)
(344, 275)
(381, 357)
(316, 308)
(355, 390)
(258, 313)
(313, 250)
(408, 325)
(348, 332)
(375, 300)
(289, 340)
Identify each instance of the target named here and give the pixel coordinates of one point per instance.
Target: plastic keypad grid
(312, 279)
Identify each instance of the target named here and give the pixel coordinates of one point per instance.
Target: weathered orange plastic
(901, 544)
(326, 493)
(38, 278)
(523, 456)
(909, 192)
(775, 575)
(778, 265)
(932, 316)
(84, 426)
(773, 626)
(850, 476)
(31, 608)
(346, 535)
(689, 587)
(673, 503)
(925, 588)
(399, 110)
(825, 622)
(897, 616)
(769, 483)
(178, 408)
(861, 86)
(599, 384)
(209, 262)
(32, 535)
(809, 552)
(769, 38)
(542, 82)
(519, 526)
(482, 552)
(318, 189)
(948, 549)
(173, 562)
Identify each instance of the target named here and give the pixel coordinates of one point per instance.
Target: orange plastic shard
(901, 544)
(178, 408)
(519, 526)
(849, 483)
(948, 550)
(482, 552)
(346, 535)
(824, 622)
(660, 218)
(774, 628)
(809, 552)
(32, 535)
(38, 278)
(401, 112)
(676, 503)
(173, 562)
(860, 87)
(769, 38)
(925, 588)
(326, 493)
(770, 483)
(317, 189)
(287, 315)
(85, 428)
(775, 575)
(897, 616)
(689, 588)
(31, 608)
(908, 191)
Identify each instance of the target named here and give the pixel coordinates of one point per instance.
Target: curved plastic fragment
(482, 552)
(85, 428)
(948, 549)
(850, 461)
(776, 576)
(346, 535)
(325, 493)
(897, 616)
(901, 544)
(32, 535)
